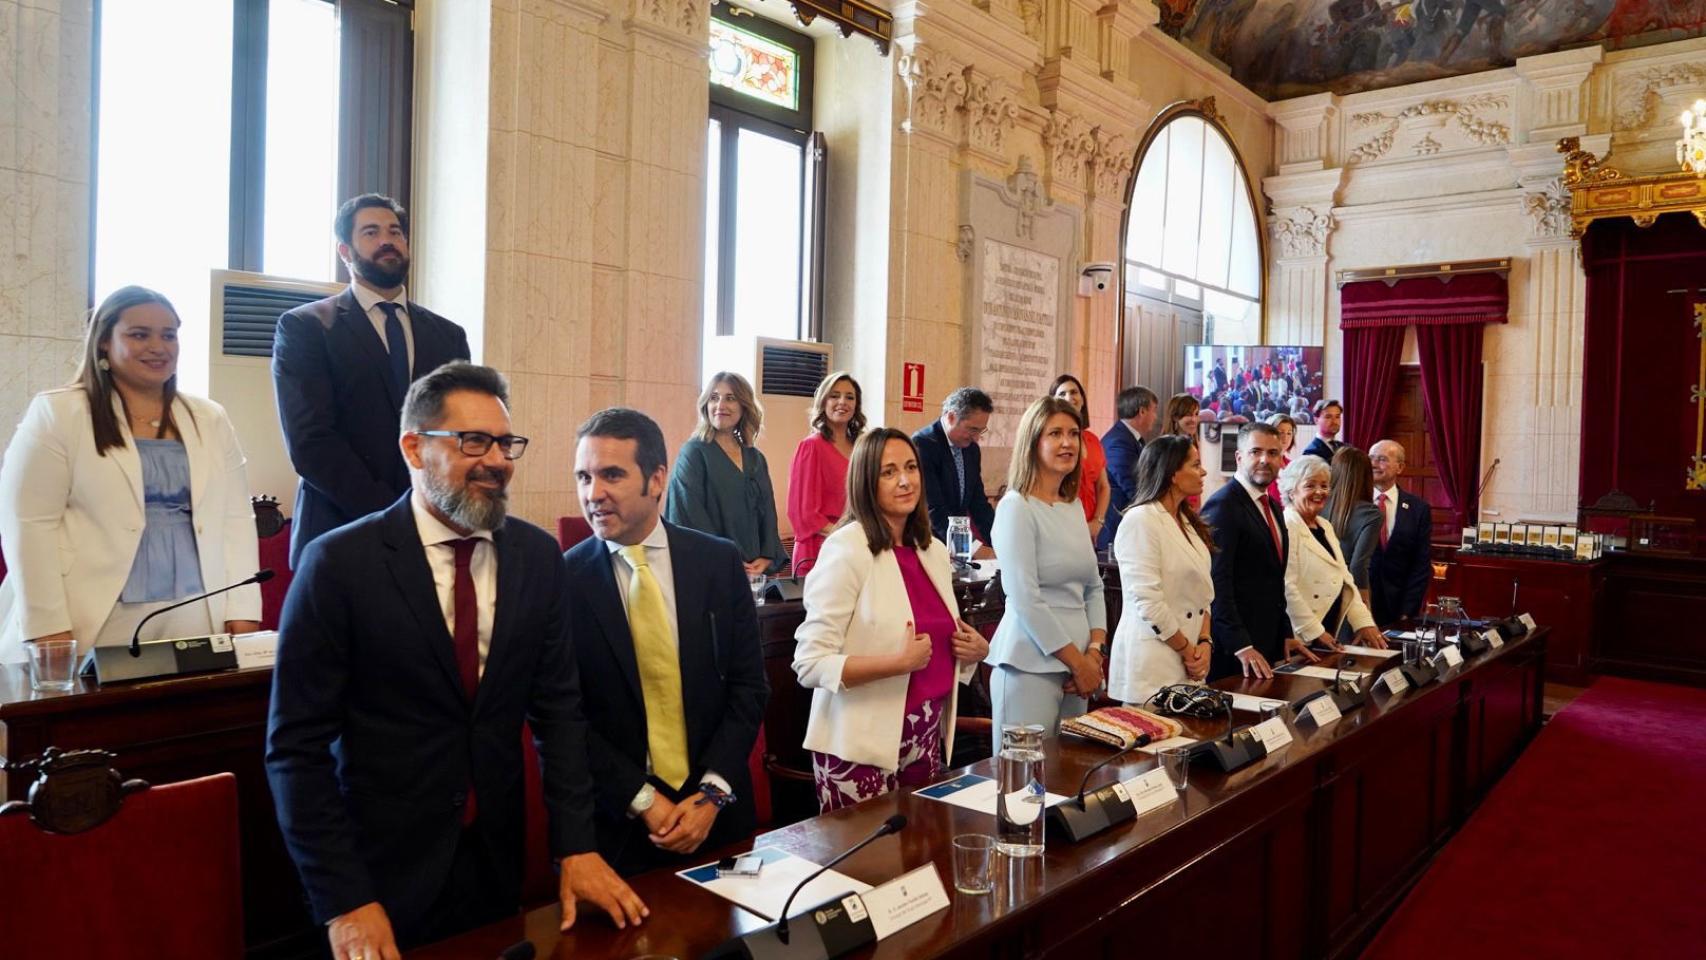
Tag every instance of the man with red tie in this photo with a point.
(1250, 628)
(413, 644)
(1398, 574)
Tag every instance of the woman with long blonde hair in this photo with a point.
(721, 482)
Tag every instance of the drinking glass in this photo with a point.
(757, 581)
(959, 539)
(1177, 762)
(973, 855)
(1019, 804)
(1412, 652)
(53, 665)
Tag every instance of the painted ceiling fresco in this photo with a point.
(1287, 48)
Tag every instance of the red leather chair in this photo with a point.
(160, 879)
(572, 530)
(275, 556)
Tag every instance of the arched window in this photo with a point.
(1193, 259)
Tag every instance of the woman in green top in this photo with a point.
(721, 483)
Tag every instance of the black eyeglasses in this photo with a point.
(474, 443)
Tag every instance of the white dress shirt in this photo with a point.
(370, 302)
(1390, 509)
(656, 545)
(440, 543)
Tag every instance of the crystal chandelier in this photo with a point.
(1691, 149)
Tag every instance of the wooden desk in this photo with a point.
(1562, 594)
(1298, 856)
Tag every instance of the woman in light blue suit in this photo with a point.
(1051, 646)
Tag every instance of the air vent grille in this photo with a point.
(251, 316)
(791, 371)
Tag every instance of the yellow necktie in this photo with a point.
(660, 671)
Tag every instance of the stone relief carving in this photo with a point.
(685, 16)
(965, 244)
(1467, 115)
(1548, 211)
(1115, 157)
(1427, 146)
(937, 84)
(1071, 144)
(990, 109)
(1638, 96)
(1025, 192)
(1300, 232)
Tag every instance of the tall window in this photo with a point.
(218, 146)
(1191, 237)
(762, 174)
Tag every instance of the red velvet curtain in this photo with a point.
(1451, 391)
(1371, 370)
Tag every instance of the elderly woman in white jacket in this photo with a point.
(120, 495)
(1320, 592)
(1163, 549)
(882, 647)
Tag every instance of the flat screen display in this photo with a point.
(1240, 384)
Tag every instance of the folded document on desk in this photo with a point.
(974, 792)
(1322, 673)
(765, 893)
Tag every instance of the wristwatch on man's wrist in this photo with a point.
(717, 795)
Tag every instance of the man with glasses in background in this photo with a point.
(413, 644)
(1398, 574)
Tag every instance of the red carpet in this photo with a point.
(1593, 845)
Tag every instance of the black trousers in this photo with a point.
(467, 900)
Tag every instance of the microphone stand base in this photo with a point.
(1244, 750)
(161, 658)
(1100, 810)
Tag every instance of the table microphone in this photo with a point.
(1141, 741)
(136, 635)
(520, 951)
(894, 824)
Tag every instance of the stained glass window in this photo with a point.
(750, 64)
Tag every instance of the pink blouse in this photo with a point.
(930, 616)
(817, 494)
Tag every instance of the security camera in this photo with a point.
(1095, 278)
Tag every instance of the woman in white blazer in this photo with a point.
(1163, 549)
(882, 647)
(119, 495)
(1320, 593)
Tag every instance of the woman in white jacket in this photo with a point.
(1320, 592)
(882, 647)
(120, 495)
(1163, 549)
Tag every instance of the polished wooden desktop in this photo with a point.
(1300, 855)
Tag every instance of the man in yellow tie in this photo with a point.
(671, 670)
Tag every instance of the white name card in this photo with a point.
(1149, 791)
(905, 900)
(1453, 656)
(256, 649)
(1494, 638)
(1323, 711)
(1527, 621)
(1395, 680)
(1273, 733)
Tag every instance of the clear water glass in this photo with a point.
(1412, 652)
(1021, 797)
(959, 538)
(53, 665)
(757, 582)
(1177, 762)
(974, 856)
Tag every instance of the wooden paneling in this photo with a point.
(1559, 594)
(1651, 611)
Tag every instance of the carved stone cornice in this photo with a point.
(1638, 96)
(1548, 211)
(1070, 144)
(1467, 114)
(936, 91)
(683, 20)
(1112, 165)
(991, 108)
(1300, 232)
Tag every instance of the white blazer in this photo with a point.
(1168, 588)
(71, 520)
(1314, 578)
(856, 605)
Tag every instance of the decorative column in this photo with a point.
(1299, 293)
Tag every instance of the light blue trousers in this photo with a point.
(1019, 697)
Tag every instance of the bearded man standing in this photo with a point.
(413, 644)
(341, 367)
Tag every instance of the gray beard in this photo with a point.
(467, 510)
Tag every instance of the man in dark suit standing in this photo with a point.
(1250, 628)
(414, 643)
(952, 464)
(666, 637)
(341, 367)
(1326, 442)
(1398, 574)
(1123, 444)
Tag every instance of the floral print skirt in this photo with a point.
(842, 784)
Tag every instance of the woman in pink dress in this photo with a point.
(817, 480)
(1093, 489)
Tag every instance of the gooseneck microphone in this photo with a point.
(261, 576)
(1141, 741)
(894, 824)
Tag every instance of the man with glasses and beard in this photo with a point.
(342, 366)
(413, 644)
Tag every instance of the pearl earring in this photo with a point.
(103, 364)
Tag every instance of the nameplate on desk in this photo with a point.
(1149, 791)
(1273, 733)
(1367, 651)
(1322, 711)
(1494, 638)
(256, 649)
(1527, 621)
(1395, 680)
(1452, 655)
(905, 900)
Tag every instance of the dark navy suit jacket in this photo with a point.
(1249, 579)
(942, 484)
(371, 745)
(1398, 575)
(723, 687)
(1320, 448)
(1122, 448)
(339, 408)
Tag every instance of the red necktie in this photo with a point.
(1279, 545)
(467, 639)
(1380, 501)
